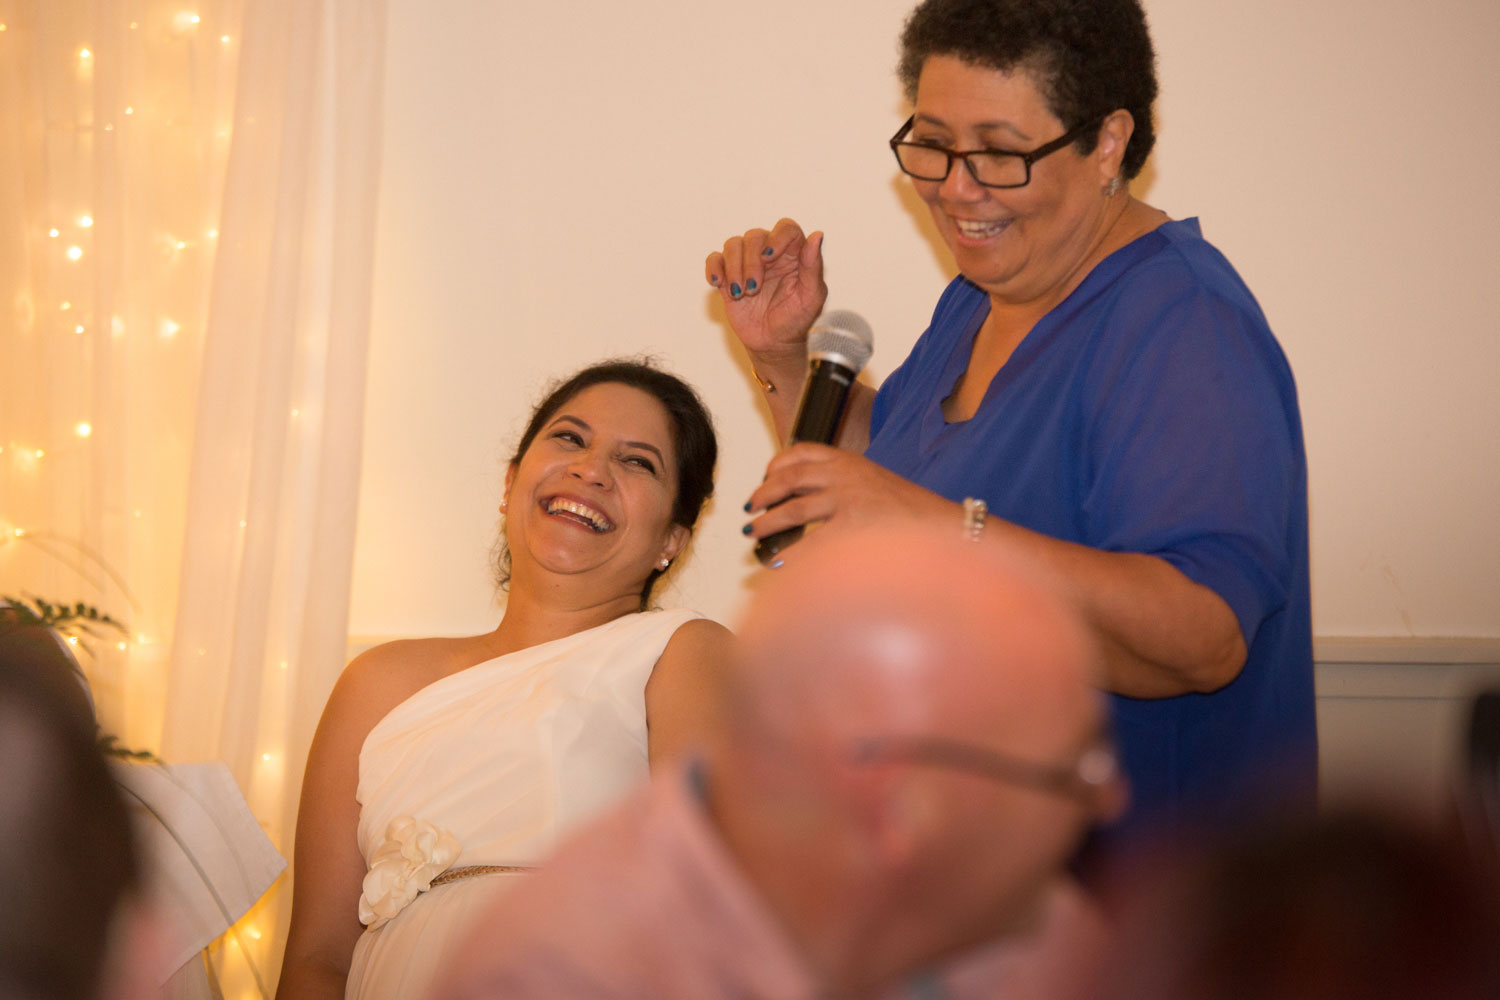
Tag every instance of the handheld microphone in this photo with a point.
(838, 345)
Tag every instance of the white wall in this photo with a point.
(554, 174)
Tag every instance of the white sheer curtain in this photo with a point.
(187, 194)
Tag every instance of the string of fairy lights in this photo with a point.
(71, 238)
(70, 258)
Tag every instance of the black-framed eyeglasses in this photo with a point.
(994, 168)
(1084, 778)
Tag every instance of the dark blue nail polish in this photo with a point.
(747, 506)
(746, 530)
(767, 252)
(734, 290)
(714, 281)
(750, 285)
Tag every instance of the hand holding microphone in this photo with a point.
(838, 346)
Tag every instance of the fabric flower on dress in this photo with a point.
(413, 853)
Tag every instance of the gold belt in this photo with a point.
(470, 871)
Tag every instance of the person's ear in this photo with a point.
(899, 819)
(1114, 137)
(677, 539)
(510, 476)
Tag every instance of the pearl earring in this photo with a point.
(665, 562)
(504, 503)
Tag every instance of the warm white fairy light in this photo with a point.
(224, 39)
(85, 55)
(130, 111)
(54, 233)
(116, 326)
(78, 328)
(168, 329)
(181, 244)
(213, 234)
(84, 429)
(72, 640)
(66, 305)
(121, 645)
(85, 221)
(75, 253)
(185, 21)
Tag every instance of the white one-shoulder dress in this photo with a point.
(492, 766)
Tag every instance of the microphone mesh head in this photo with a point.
(842, 337)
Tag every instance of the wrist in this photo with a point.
(779, 372)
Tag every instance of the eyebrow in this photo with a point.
(642, 445)
(1000, 126)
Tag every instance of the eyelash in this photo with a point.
(573, 438)
(644, 463)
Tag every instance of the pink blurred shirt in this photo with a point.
(646, 902)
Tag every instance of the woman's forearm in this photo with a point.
(1160, 633)
(783, 399)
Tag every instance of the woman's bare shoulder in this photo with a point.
(383, 676)
(699, 635)
(695, 642)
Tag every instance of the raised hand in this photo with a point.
(772, 287)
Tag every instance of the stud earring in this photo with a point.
(504, 503)
(665, 562)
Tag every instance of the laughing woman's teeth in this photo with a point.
(596, 520)
(978, 230)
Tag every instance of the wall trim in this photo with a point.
(1413, 650)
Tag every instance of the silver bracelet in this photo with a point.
(975, 511)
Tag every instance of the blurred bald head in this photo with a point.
(910, 720)
(901, 628)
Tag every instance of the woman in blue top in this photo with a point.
(1097, 375)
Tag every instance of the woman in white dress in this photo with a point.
(444, 768)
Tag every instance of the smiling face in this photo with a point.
(1025, 244)
(594, 492)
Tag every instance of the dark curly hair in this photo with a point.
(692, 437)
(1089, 57)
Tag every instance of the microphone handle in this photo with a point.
(819, 413)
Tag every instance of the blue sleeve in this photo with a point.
(1194, 442)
